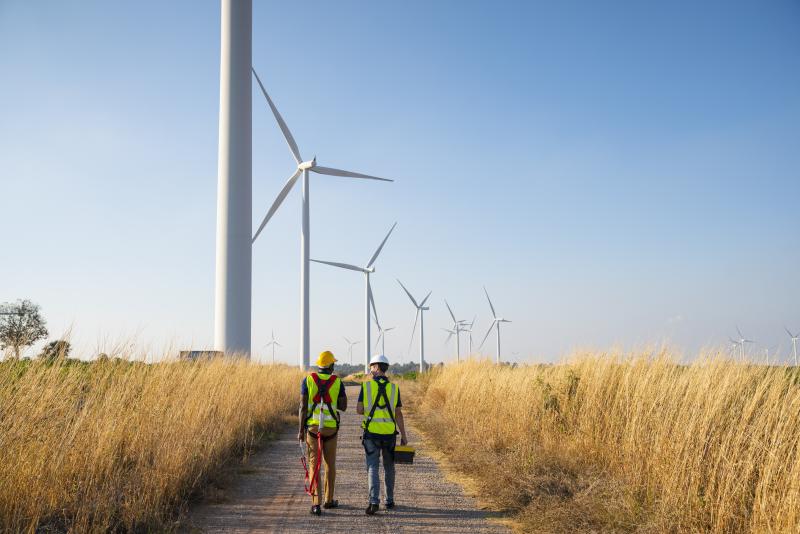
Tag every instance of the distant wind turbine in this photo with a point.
(794, 344)
(741, 342)
(350, 345)
(456, 330)
(469, 331)
(421, 308)
(305, 234)
(495, 324)
(369, 269)
(274, 344)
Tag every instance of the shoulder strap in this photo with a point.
(381, 393)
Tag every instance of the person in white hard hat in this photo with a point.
(379, 403)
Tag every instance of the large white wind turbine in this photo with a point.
(305, 236)
(233, 277)
(274, 344)
(794, 344)
(369, 269)
(350, 345)
(421, 308)
(495, 324)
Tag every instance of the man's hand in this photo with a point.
(300, 436)
(403, 440)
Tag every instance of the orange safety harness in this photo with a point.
(323, 395)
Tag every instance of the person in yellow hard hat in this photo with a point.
(322, 396)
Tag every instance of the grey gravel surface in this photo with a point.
(268, 495)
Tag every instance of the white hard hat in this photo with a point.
(380, 358)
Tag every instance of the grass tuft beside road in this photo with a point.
(623, 443)
(115, 445)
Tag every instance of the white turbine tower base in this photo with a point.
(303, 167)
(233, 277)
(369, 269)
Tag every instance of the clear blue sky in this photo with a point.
(615, 173)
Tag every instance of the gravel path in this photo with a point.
(268, 495)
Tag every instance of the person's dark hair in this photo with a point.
(326, 370)
(383, 367)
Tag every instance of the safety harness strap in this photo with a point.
(323, 395)
(387, 405)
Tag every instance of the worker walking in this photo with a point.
(379, 402)
(322, 395)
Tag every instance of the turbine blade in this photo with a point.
(494, 313)
(788, 332)
(739, 332)
(408, 293)
(380, 247)
(413, 329)
(341, 265)
(451, 311)
(348, 341)
(421, 304)
(487, 334)
(277, 203)
(374, 310)
(347, 174)
(281, 123)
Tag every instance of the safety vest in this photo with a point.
(378, 415)
(324, 402)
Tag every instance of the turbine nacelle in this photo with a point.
(307, 165)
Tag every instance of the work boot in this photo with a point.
(331, 504)
(316, 510)
(371, 509)
(389, 505)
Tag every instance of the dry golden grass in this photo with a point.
(116, 445)
(619, 444)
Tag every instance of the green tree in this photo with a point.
(56, 350)
(21, 325)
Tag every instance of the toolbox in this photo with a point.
(403, 454)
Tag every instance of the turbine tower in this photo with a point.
(368, 270)
(233, 277)
(303, 167)
(794, 344)
(418, 315)
(742, 340)
(495, 324)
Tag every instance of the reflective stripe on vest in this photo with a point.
(381, 420)
(312, 391)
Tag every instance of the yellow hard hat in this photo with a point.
(325, 359)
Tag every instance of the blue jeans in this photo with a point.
(375, 448)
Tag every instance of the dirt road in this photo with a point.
(268, 495)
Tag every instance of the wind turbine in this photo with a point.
(350, 345)
(457, 324)
(495, 324)
(368, 270)
(303, 167)
(469, 330)
(794, 344)
(274, 343)
(741, 342)
(418, 315)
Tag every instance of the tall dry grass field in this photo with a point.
(116, 445)
(612, 443)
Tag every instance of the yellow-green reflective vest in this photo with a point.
(313, 411)
(381, 422)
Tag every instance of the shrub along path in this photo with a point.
(268, 496)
